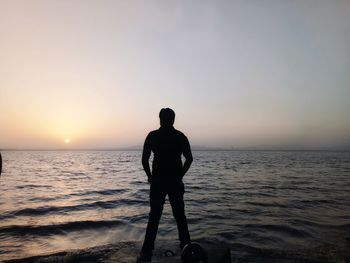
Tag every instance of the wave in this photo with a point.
(101, 192)
(46, 230)
(267, 204)
(301, 222)
(31, 186)
(45, 210)
(283, 229)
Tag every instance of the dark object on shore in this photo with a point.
(0, 163)
(193, 253)
(219, 255)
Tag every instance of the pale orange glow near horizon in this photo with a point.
(237, 74)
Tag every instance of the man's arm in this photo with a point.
(188, 157)
(146, 154)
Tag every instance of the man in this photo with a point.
(167, 145)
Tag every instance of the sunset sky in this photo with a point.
(94, 74)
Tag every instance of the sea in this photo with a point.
(266, 206)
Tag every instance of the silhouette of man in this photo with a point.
(167, 145)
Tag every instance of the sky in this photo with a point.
(94, 74)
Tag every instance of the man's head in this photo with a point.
(167, 117)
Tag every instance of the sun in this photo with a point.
(67, 140)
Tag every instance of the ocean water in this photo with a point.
(276, 203)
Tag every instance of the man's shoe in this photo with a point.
(182, 245)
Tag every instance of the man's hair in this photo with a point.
(167, 117)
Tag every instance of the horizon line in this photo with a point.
(199, 148)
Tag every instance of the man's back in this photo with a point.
(167, 144)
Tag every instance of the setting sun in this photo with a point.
(67, 140)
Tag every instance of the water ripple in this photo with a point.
(45, 230)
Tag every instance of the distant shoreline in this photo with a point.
(193, 149)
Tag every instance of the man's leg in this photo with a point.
(157, 199)
(178, 207)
